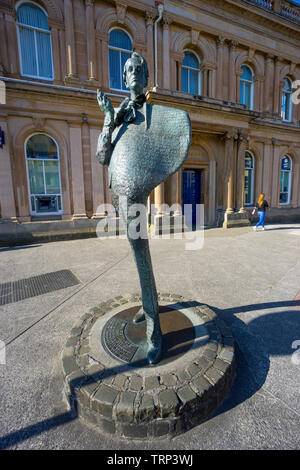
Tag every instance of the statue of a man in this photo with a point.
(142, 144)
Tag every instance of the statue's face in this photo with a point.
(135, 76)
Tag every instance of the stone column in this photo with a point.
(179, 73)
(276, 103)
(7, 198)
(159, 198)
(175, 191)
(295, 184)
(277, 6)
(294, 108)
(177, 59)
(219, 83)
(231, 71)
(228, 172)
(62, 50)
(12, 42)
(242, 147)
(3, 49)
(77, 181)
(70, 38)
(268, 81)
(212, 192)
(260, 92)
(275, 171)
(99, 60)
(150, 47)
(238, 85)
(166, 53)
(105, 71)
(212, 83)
(55, 55)
(97, 176)
(204, 81)
(266, 186)
(91, 39)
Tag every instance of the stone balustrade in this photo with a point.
(291, 12)
(283, 7)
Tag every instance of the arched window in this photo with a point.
(34, 37)
(286, 100)
(42, 158)
(190, 74)
(249, 178)
(246, 86)
(120, 48)
(285, 180)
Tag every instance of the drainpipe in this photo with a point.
(160, 13)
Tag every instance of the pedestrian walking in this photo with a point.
(261, 207)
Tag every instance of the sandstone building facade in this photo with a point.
(233, 65)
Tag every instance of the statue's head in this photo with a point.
(135, 74)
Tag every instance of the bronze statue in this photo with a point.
(142, 144)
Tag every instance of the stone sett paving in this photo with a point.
(131, 405)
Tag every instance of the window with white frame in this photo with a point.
(34, 38)
(191, 74)
(246, 86)
(249, 178)
(43, 171)
(286, 100)
(285, 180)
(120, 48)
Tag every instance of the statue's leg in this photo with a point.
(141, 253)
(143, 262)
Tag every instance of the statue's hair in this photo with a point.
(136, 56)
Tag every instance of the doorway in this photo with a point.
(191, 194)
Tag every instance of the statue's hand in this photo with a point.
(105, 103)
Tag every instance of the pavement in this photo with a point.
(251, 279)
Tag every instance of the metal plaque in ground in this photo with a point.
(109, 384)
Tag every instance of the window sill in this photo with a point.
(34, 77)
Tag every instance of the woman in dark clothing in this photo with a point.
(261, 207)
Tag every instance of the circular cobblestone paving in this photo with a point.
(135, 401)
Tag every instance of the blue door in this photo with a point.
(191, 194)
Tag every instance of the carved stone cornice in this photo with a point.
(229, 135)
(269, 57)
(39, 122)
(209, 66)
(194, 36)
(177, 56)
(233, 43)
(55, 24)
(103, 36)
(292, 68)
(6, 8)
(278, 60)
(121, 9)
(150, 17)
(220, 41)
(167, 20)
(251, 53)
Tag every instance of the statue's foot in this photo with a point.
(139, 316)
(154, 354)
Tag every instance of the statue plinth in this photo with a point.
(110, 385)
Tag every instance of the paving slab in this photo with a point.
(251, 280)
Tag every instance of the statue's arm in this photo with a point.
(104, 146)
